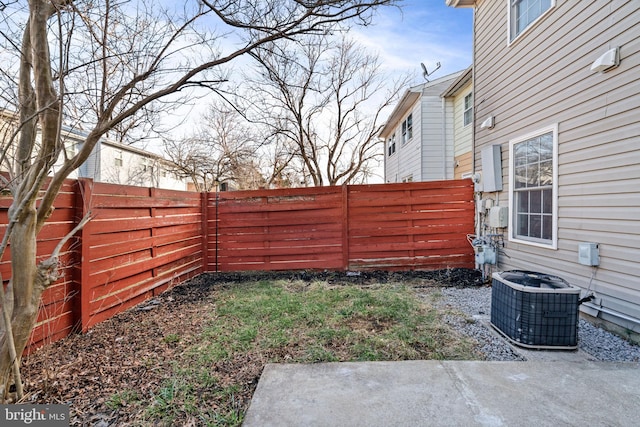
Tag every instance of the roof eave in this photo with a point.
(461, 3)
(464, 78)
(406, 103)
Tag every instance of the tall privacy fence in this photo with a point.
(142, 241)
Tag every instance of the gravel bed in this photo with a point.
(476, 304)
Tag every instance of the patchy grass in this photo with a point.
(196, 358)
(298, 322)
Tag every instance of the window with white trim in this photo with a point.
(523, 13)
(468, 109)
(118, 158)
(407, 129)
(533, 173)
(391, 145)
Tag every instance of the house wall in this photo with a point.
(437, 130)
(136, 168)
(429, 155)
(409, 153)
(405, 162)
(543, 78)
(139, 168)
(462, 137)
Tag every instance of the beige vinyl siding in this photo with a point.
(462, 147)
(462, 141)
(544, 78)
(463, 165)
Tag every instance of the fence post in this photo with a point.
(204, 215)
(345, 227)
(153, 194)
(82, 305)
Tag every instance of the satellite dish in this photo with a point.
(426, 73)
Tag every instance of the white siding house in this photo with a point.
(419, 134)
(109, 162)
(116, 163)
(557, 91)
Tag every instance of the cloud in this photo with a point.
(423, 31)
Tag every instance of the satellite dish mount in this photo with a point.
(426, 73)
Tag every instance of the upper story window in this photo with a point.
(533, 172)
(407, 129)
(118, 158)
(468, 109)
(523, 13)
(391, 144)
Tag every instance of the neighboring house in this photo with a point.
(109, 161)
(419, 133)
(116, 163)
(557, 142)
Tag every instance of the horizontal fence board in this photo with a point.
(274, 251)
(261, 222)
(412, 263)
(416, 231)
(285, 206)
(311, 235)
(304, 264)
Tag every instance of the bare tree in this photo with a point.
(279, 164)
(319, 96)
(222, 150)
(65, 39)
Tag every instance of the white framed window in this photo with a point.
(533, 189)
(468, 109)
(391, 145)
(118, 159)
(408, 178)
(407, 129)
(524, 13)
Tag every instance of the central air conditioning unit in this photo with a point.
(535, 310)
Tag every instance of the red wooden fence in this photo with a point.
(139, 242)
(57, 314)
(143, 240)
(421, 225)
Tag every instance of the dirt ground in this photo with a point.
(130, 351)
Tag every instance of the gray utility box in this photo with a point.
(535, 310)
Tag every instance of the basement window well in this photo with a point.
(535, 310)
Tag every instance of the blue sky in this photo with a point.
(426, 31)
(422, 31)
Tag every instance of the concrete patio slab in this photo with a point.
(447, 393)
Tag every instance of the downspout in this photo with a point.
(478, 195)
(444, 138)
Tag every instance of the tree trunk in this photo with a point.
(27, 284)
